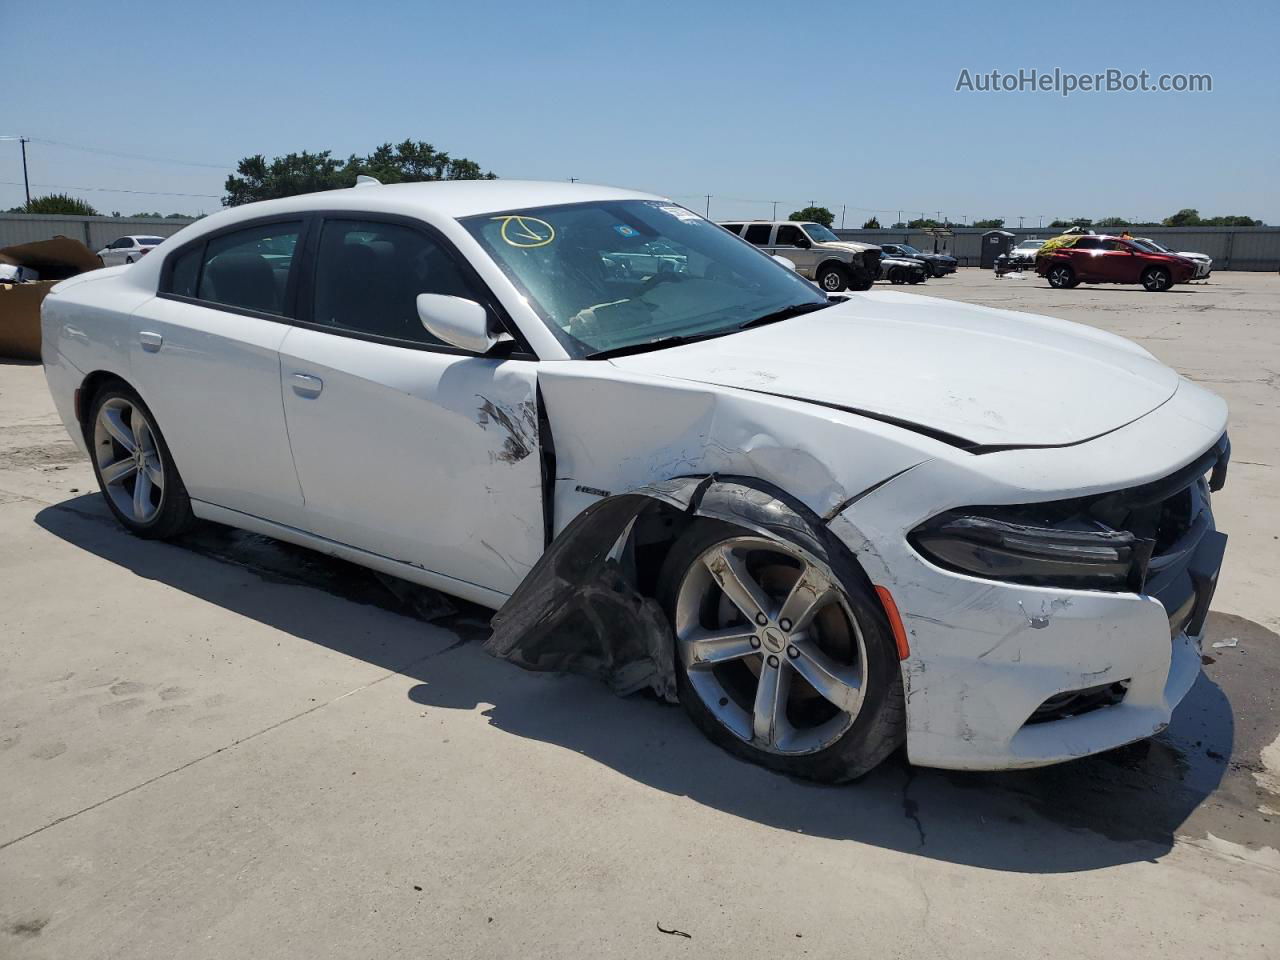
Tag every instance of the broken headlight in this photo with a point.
(1076, 553)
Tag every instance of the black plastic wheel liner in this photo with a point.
(578, 611)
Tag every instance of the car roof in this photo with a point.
(451, 198)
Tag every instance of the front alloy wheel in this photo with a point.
(778, 661)
(1157, 280)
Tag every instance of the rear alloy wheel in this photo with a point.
(1061, 277)
(777, 660)
(833, 278)
(134, 467)
(1157, 279)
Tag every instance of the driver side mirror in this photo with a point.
(804, 243)
(458, 322)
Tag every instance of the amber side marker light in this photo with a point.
(895, 622)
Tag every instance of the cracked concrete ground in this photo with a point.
(228, 747)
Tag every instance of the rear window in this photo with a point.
(150, 241)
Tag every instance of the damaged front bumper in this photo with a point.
(1006, 675)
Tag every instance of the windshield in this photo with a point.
(1031, 245)
(909, 250)
(1150, 245)
(610, 275)
(819, 234)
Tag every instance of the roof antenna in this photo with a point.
(363, 181)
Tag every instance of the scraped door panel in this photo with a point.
(423, 457)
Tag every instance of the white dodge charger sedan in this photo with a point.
(667, 461)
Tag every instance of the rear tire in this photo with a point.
(833, 278)
(818, 696)
(1157, 279)
(1061, 276)
(134, 467)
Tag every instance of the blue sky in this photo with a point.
(847, 103)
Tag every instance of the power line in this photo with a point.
(147, 193)
(127, 156)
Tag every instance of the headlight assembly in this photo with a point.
(1000, 549)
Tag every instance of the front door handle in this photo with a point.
(305, 385)
(151, 342)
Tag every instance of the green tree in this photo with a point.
(923, 223)
(814, 214)
(256, 178)
(1233, 221)
(61, 203)
(1186, 217)
(1114, 222)
(1083, 222)
(872, 224)
(995, 223)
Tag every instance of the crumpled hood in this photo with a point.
(983, 376)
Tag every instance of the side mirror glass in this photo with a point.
(458, 322)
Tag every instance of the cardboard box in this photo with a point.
(54, 260)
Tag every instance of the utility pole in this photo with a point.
(842, 207)
(26, 186)
(1042, 221)
(900, 220)
(573, 179)
(775, 209)
(708, 196)
(1020, 223)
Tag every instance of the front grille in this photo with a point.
(871, 261)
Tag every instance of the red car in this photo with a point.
(1094, 259)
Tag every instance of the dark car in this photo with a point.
(936, 264)
(1100, 259)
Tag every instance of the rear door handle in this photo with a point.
(151, 342)
(305, 385)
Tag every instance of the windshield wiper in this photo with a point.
(659, 344)
(786, 313)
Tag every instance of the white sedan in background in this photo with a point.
(825, 528)
(1203, 262)
(128, 249)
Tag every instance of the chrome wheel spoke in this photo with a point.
(119, 471)
(769, 713)
(809, 595)
(119, 431)
(837, 683)
(707, 647)
(737, 583)
(142, 497)
(154, 471)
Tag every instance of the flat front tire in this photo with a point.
(134, 467)
(779, 659)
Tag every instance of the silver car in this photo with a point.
(833, 264)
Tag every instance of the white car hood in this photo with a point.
(983, 377)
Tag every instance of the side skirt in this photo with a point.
(472, 592)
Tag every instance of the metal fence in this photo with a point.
(94, 232)
(1232, 248)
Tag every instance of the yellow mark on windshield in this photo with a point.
(526, 231)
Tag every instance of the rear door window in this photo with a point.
(758, 233)
(249, 269)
